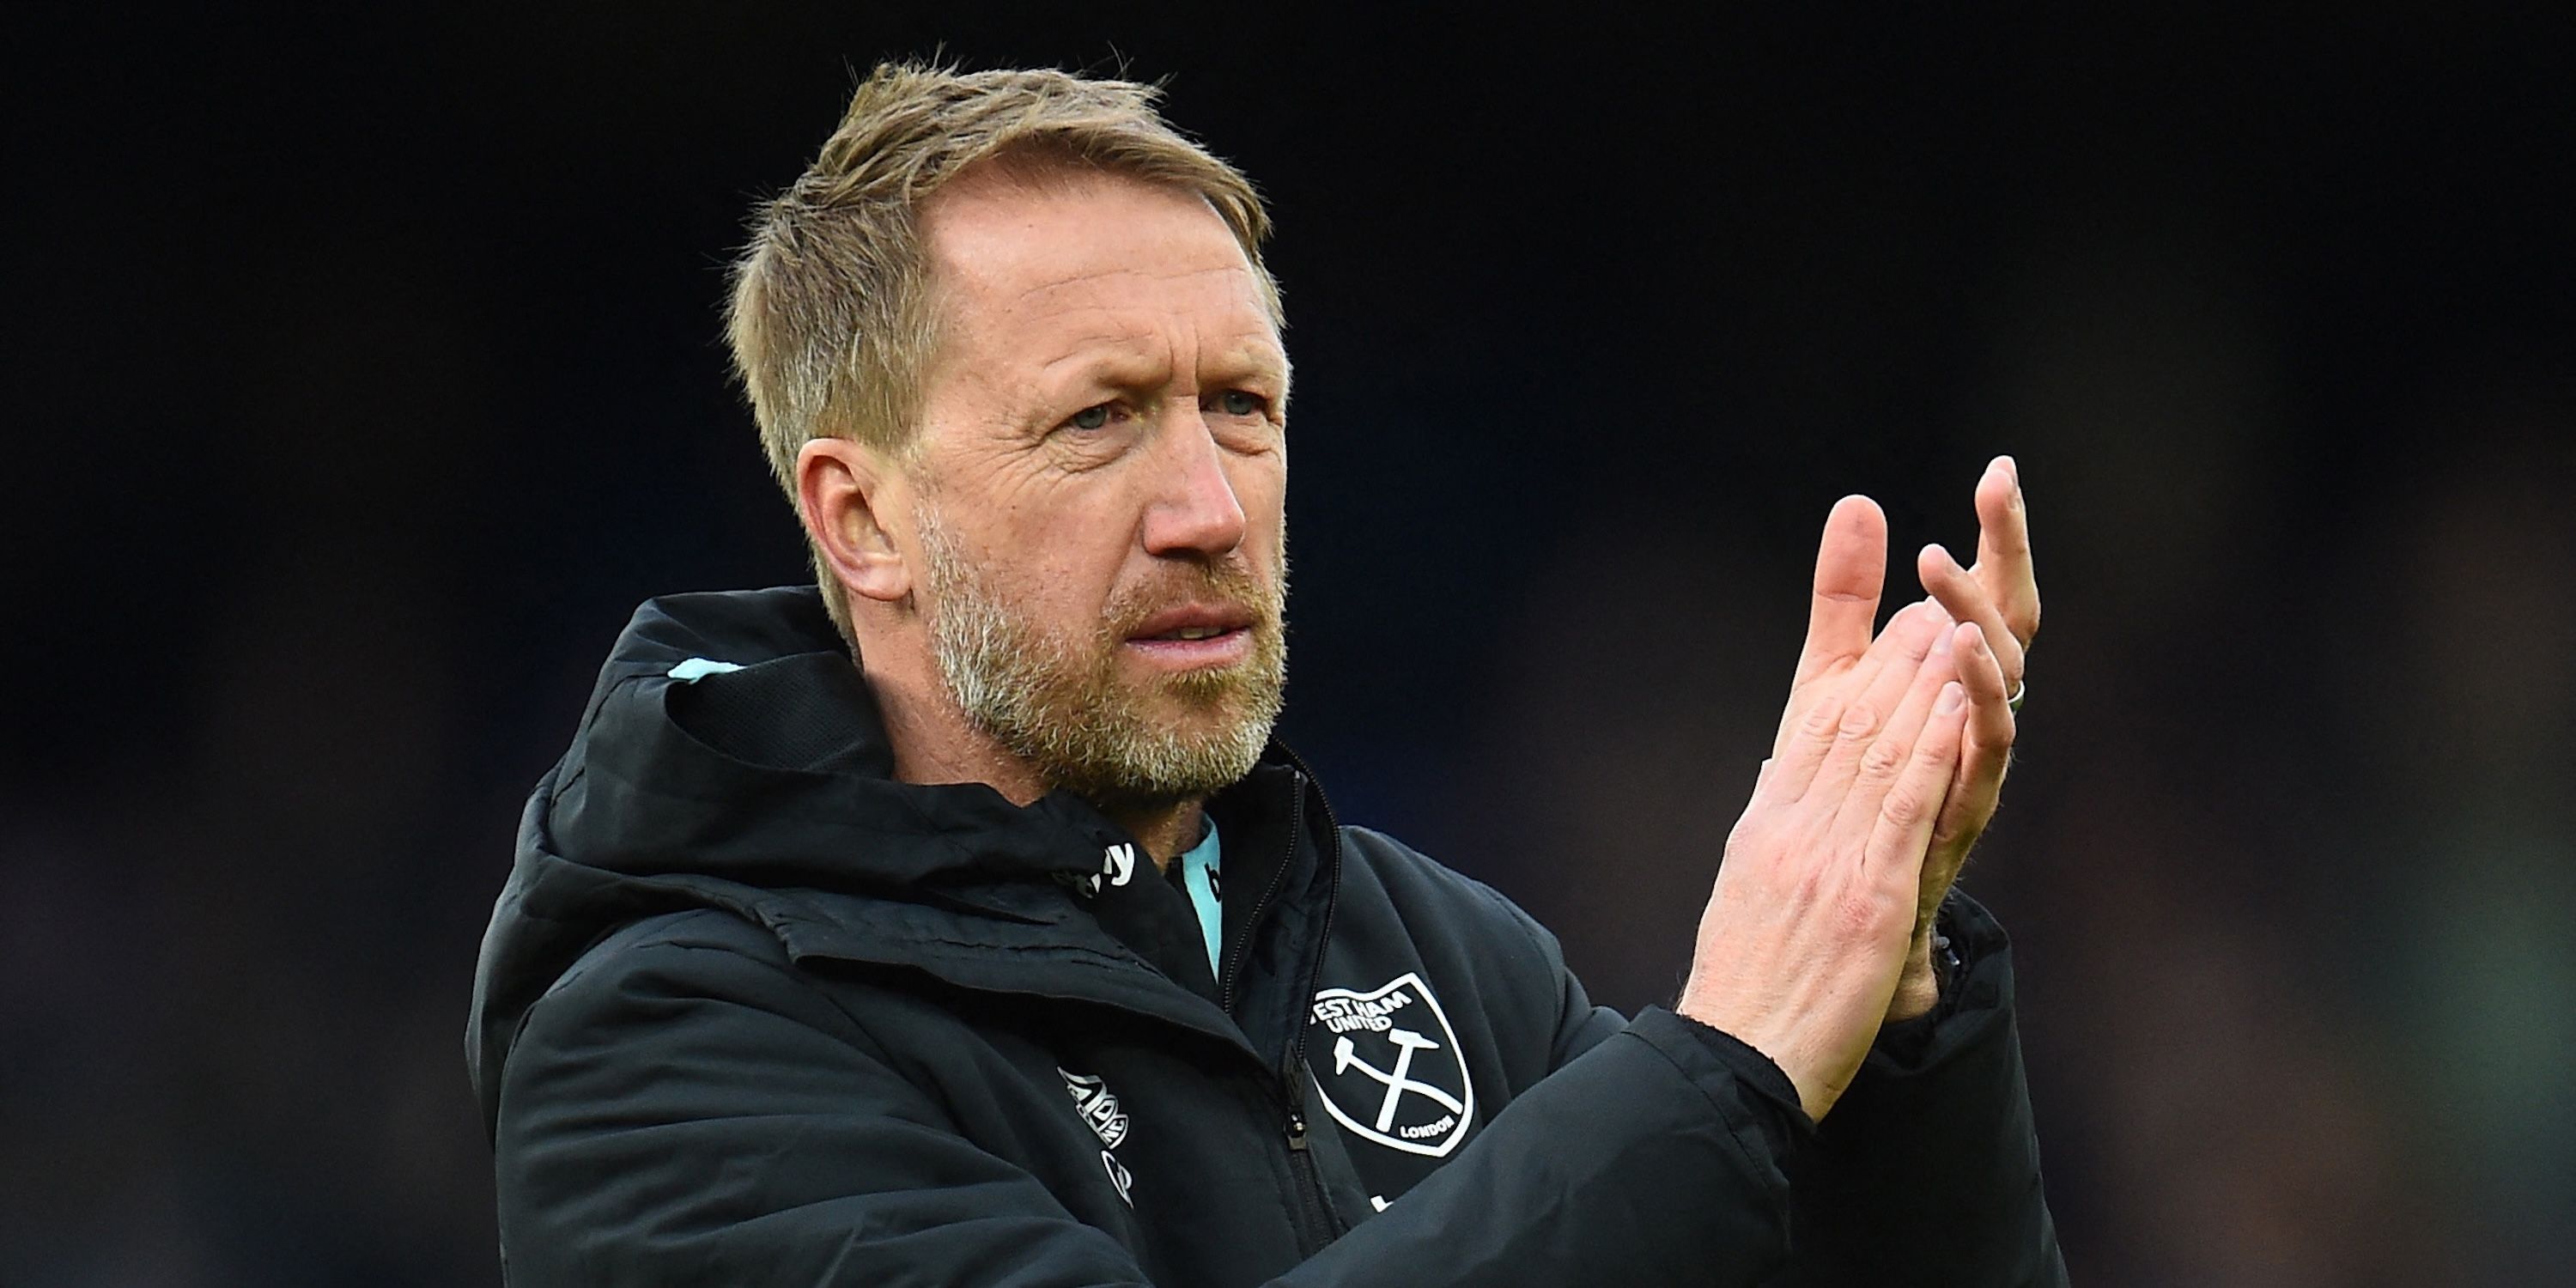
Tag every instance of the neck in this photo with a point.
(1164, 830)
(933, 742)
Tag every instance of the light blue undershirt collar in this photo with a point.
(1199, 876)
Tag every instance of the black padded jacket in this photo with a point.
(751, 1012)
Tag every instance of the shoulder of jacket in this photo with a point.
(1416, 882)
(652, 941)
(704, 962)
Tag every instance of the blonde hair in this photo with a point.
(832, 322)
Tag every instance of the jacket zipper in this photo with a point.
(1324, 928)
(1296, 1079)
(1318, 1224)
(1278, 878)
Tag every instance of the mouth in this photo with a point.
(1193, 636)
(1187, 634)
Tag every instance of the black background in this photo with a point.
(364, 370)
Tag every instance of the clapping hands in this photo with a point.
(1887, 767)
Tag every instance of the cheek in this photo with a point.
(1065, 566)
(1261, 488)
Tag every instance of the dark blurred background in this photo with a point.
(363, 372)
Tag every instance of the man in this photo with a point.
(956, 922)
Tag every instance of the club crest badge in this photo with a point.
(1388, 1066)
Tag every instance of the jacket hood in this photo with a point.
(733, 757)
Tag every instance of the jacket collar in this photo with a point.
(732, 757)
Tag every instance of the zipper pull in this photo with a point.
(1294, 1101)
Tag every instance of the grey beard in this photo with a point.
(1058, 704)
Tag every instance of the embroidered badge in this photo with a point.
(1396, 1075)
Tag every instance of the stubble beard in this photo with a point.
(1056, 700)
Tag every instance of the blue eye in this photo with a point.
(1090, 417)
(1236, 402)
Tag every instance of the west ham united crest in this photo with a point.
(1389, 1066)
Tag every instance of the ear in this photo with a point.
(842, 488)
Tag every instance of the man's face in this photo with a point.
(1102, 475)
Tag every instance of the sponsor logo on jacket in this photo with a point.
(1098, 1107)
(1393, 1072)
(1117, 867)
(1097, 1104)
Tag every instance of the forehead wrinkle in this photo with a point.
(1088, 317)
(1252, 346)
(1094, 325)
(1122, 351)
(1141, 336)
(1149, 357)
(1044, 298)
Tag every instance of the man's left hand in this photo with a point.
(1996, 607)
(1993, 610)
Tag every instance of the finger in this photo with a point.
(1804, 743)
(1987, 749)
(1905, 652)
(2003, 550)
(1881, 766)
(1906, 636)
(1962, 596)
(1903, 830)
(1851, 570)
(1979, 668)
(1880, 677)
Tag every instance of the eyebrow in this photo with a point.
(1259, 357)
(1126, 360)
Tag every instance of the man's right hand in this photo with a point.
(1807, 929)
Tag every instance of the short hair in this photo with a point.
(832, 323)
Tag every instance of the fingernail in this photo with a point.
(2012, 470)
(1941, 646)
(1951, 696)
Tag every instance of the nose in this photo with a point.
(1195, 509)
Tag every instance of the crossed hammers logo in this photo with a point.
(1346, 1056)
